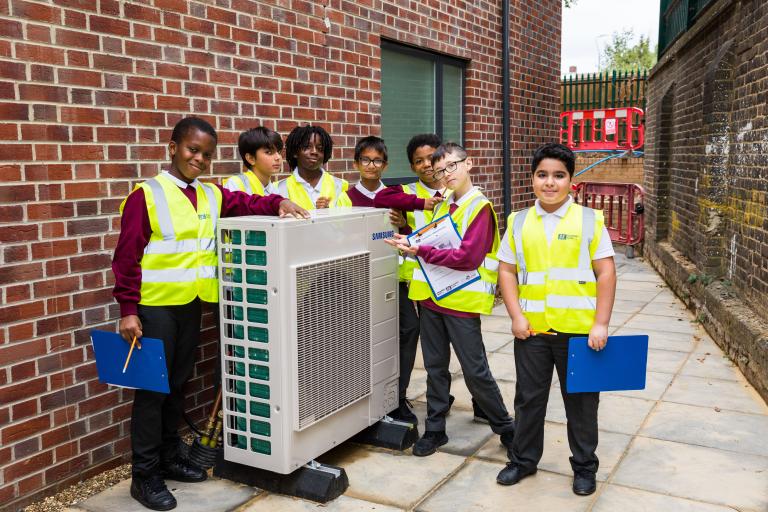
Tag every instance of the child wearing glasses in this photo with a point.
(454, 320)
(370, 162)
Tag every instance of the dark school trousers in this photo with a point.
(409, 337)
(535, 358)
(155, 416)
(438, 333)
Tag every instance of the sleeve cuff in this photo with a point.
(128, 308)
(419, 203)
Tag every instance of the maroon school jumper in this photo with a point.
(470, 255)
(135, 231)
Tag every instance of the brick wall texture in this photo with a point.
(616, 170)
(89, 92)
(706, 166)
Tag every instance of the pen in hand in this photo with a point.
(128, 359)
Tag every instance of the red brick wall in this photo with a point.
(89, 91)
(616, 170)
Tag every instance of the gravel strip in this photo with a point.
(81, 491)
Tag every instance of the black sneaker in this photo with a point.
(404, 413)
(182, 470)
(479, 415)
(152, 493)
(429, 443)
(512, 473)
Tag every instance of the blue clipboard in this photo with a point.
(146, 369)
(620, 366)
(418, 260)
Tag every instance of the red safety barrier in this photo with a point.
(608, 129)
(622, 206)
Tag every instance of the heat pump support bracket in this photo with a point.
(315, 482)
(389, 433)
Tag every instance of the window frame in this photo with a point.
(439, 60)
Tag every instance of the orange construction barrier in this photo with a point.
(622, 206)
(607, 129)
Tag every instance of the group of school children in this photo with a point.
(554, 266)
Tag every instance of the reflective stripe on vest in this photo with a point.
(559, 292)
(335, 189)
(477, 297)
(179, 261)
(415, 219)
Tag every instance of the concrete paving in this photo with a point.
(693, 440)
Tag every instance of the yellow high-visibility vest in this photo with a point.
(477, 297)
(330, 186)
(557, 286)
(415, 219)
(179, 262)
(246, 182)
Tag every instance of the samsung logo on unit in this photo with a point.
(381, 235)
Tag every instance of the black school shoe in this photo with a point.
(182, 470)
(513, 473)
(152, 493)
(404, 413)
(429, 442)
(584, 483)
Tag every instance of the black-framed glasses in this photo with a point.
(449, 168)
(377, 162)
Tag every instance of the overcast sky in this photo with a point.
(588, 26)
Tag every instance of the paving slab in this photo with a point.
(640, 286)
(617, 498)
(647, 277)
(619, 319)
(661, 323)
(499, 324)
(711, 364)
(666, 296)
(704, 474)
(474, 489)
(706, 426)
(656, 385)
(465, 436)
(213, 495)
(464, 399)
(276, 502)
(389, 477)
(617, 413)
(417, 386)
(502, 366)
(665, 361)
(636, 295)
(628, 306)
(708, 392)
(660, 340)
(556, 451)
(495, 340)
(670, 309)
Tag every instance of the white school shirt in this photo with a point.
(367, 193)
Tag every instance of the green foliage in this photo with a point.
(703, 278)
(621, 55)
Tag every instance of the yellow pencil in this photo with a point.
(128, 359)
(533, 332)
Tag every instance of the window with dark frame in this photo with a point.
(421, 92)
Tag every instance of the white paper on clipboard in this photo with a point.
(442, 234)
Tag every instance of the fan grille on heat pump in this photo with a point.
(334, 336)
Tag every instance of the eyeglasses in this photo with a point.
(450, 168)
(377, 162)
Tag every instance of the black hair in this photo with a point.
(417, 141)
(557, 152)
(190, 123)
(371, 142)
(449, 148)
(252, 140)
(299, 138)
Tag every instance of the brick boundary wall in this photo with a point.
(706, 177)
(89, 92)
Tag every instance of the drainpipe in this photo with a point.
(505, 119)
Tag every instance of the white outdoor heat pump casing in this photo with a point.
(309, 337)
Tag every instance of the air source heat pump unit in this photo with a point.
(308, 333)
